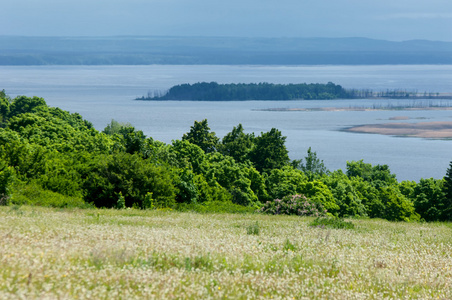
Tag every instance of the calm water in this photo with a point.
(102, 93)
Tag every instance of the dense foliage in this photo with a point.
(54, 158)
(251, 91)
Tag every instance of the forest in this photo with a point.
(50, 157)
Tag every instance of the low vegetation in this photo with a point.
(53, 253)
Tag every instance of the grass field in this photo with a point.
(132, 254)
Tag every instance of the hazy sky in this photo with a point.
(381, 19)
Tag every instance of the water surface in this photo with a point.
(102, 93)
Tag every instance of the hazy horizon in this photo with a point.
(214, 36)
(400, 20)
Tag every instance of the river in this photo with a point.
(102, 93)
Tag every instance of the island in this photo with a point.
(213, 91)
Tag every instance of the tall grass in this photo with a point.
(50, 253)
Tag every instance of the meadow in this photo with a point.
(50, 253)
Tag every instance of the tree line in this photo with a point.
(52, 157)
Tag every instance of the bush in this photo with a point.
(33, 194)
(293, 205)
(131, 176)
(347, 196)
(397, 206)
(6, 179)
(330, 222)
(318, 192)
(430, 200)
(284, 182)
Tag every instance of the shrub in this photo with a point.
(33, 194)
(346, 194)
(429, 199)
(121, 202)
(131, 176)
(397, 206)
(318, 192)
(6, 179)
(293, 205)
(284, 182)
(331, 222)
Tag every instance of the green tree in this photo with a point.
(312, 166)
(130, 175)
(284, 182)
(407, 187)
(269, 151)
(4, 108)
(347, 196)
(369, 196)
(447, 213)
(378, 175)
(6, 180)
(54, 132)
(237, 144)
(231, 175)
(187, 191)
(23, 104)
(397, 206)
(187, 155)
(318, 192)
(429, 199)
(201, 136)
(213, 192)
(132, 140)
(115, 127)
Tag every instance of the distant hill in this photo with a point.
(129, 50)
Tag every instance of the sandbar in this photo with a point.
(429, 130)
(352, 109)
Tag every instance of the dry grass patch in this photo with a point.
(93, 254)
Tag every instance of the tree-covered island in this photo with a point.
(213, 91)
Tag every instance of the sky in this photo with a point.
(395, 20)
